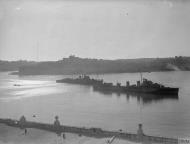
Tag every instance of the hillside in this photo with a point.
(76, 65)
(13, 65)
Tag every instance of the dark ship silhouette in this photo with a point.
(83, 80)
(143, 86)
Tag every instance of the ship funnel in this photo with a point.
(140, 132)
(138, 83)
(118, 84)
(127, 84)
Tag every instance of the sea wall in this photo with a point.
(89, 132)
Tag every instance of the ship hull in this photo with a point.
(167, 90)
(79, 81)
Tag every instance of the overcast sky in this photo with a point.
(111, 29)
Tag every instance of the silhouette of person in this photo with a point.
(63, 136)
(25, 131)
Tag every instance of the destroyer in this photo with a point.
(143, 86)
(83, 80)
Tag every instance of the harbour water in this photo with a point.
(39, 98)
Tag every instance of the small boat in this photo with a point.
(17, 85)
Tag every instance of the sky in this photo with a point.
(110, 29)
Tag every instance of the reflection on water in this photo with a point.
(141, 97)
(147, 99)
(18, 89)
(81, 106)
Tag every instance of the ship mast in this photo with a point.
(141, 77)
(37, 51)
(141, 100)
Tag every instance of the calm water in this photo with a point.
(80, 106)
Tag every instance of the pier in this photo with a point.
(89, 132)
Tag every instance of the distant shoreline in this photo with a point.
(75, 65)
(17, 73)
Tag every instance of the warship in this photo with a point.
(143, 86)
(82, 79)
